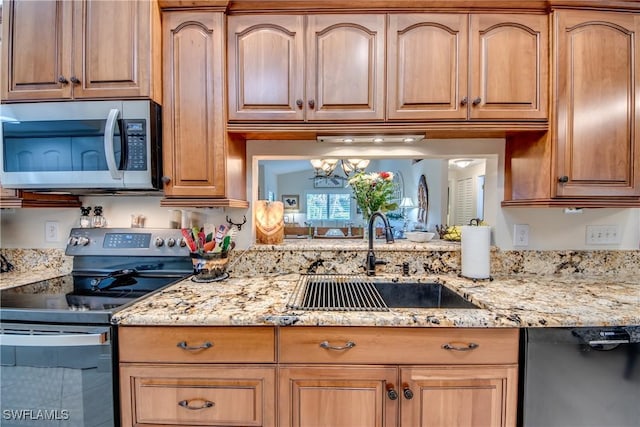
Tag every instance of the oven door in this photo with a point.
(56, 375)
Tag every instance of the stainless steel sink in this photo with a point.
(330, 292)
(420, 295)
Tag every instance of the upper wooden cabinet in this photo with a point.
(438, 67)
(456, 66)
(200, 161)
(591, 156)
(343, 78)
(80, 49)
(598, 104)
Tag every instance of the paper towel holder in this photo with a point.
(476, 222)
(475, 279)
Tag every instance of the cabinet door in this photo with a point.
(427, 66)
(509, 67)
(598, 104)
(266, 67)
(345, 60)
(459, 396)
(193, 115)
(36, 51)
(112, 49)
(335, 396)
(237, 395)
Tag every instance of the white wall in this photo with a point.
(24, 228)
(549, 228)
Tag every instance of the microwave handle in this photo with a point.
(109, 131)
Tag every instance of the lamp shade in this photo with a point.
(269, 222)
(407, 202)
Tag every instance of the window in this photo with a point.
(333, 206)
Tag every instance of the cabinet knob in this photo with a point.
(563, 179)
(299, 103)
(312, 104)
(165, 179)
(406, 391)
(477, 101)
(62, 80)
(392, 394)
(75, 80)
(464, 101)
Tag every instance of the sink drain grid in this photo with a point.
(336, 292)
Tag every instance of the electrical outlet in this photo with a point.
(51, 231)
(520, 234)
(602, 235)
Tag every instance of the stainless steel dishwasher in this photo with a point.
(581, 377)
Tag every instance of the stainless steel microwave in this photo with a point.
(81, 146)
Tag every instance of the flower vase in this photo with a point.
(365, 226)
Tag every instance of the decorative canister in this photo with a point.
(209, 266)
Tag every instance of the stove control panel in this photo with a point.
(126, 242)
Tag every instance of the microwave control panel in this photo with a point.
(135, 132)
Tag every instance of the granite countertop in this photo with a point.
(523, 301)
(530, 288)
(13, 279)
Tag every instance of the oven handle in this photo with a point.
(109, 131)
(55, 340)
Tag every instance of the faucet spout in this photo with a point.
(388, 234)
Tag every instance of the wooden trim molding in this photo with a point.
(242, 6)
(203, 203)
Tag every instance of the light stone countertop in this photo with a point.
(531, 288)
(14, 279)
(534, 301)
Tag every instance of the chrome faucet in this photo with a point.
(388, 234)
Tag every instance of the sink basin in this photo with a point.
(420, 295)
(329, 292)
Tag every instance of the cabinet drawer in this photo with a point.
(398, 345)
(195, 395)
(196, 344)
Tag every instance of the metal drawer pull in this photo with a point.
(187, 404)
(347, 346)
(183, 345)
(469, 347)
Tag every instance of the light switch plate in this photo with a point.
(51, 233)
(602, 235)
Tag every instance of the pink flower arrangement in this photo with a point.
(373, 192)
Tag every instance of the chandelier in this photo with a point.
(326, 167)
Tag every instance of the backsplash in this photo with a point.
(440, 259)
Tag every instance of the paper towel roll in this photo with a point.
(475, 251)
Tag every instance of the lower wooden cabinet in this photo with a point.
(318, 376)
(407, 377)
(336, 396)
(406, 396)
(178, 395)
(197, 376)
(481, 395)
